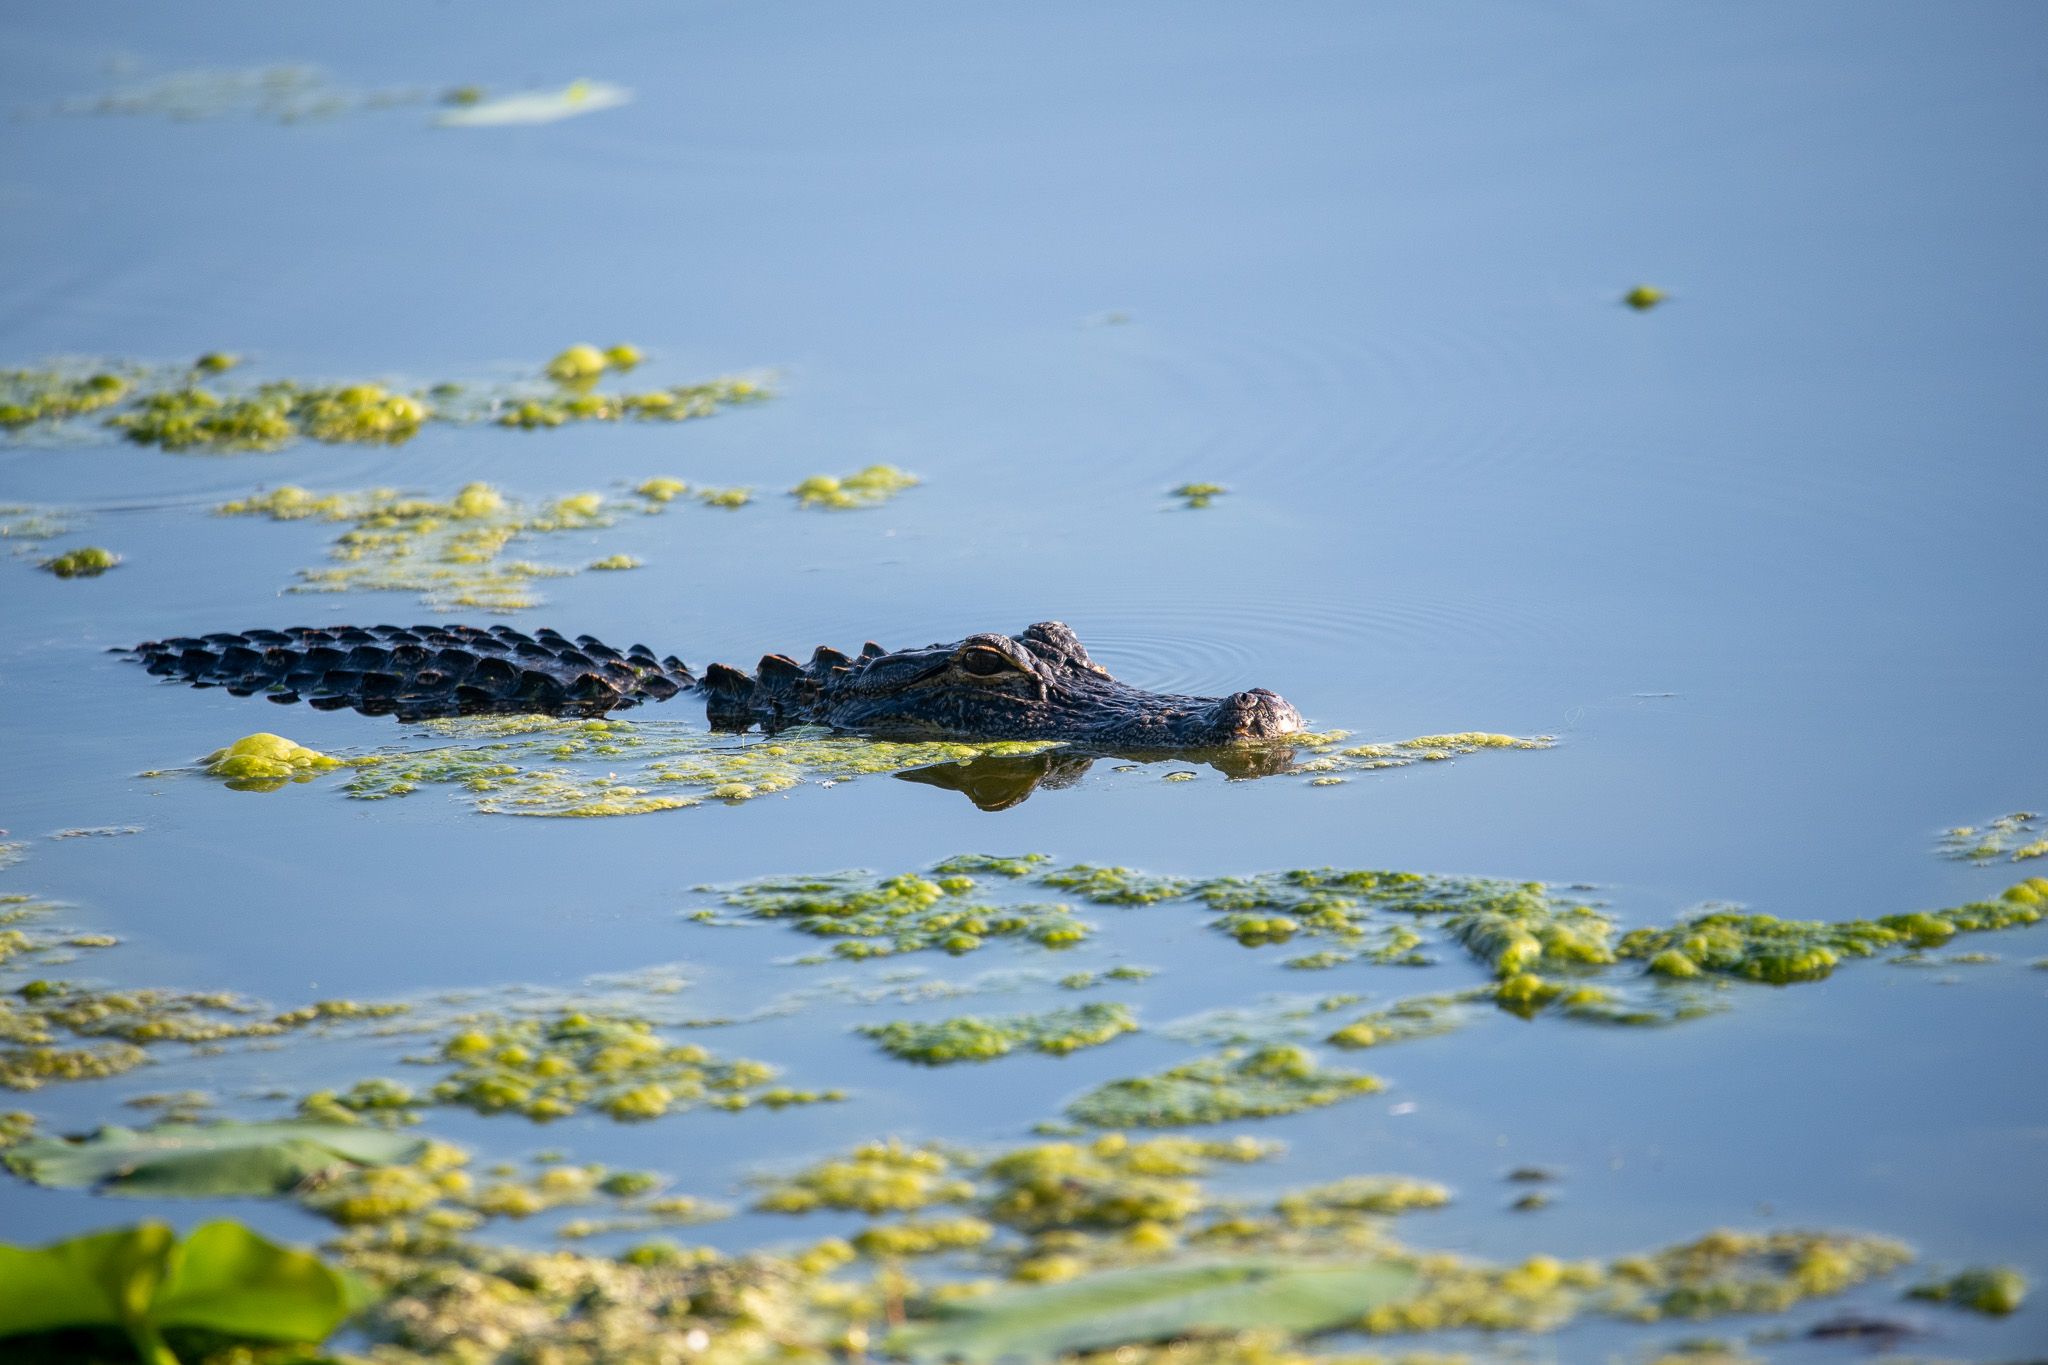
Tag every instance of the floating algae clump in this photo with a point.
(31, 396)
(170, 408)
(531, 765)
(868, 487)
(53, 1030)
(2020, 836)
(572, 1061)
(1380, 1194)
(450, 552)
(973, 1039)
(877, 1177)
(1111, 1182)
(879, 916)
(1261, 1084)
(1995, 1290)
(1423, 1016)
(88, 561)
(615, 562)
(264, 762)
(272, 417)
(1779, 951)
(1199, 494)
(1644, 297)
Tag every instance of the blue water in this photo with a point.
(1765, 559)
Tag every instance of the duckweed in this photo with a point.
(2018, 836)
(1195, 495)
(1422, 1016)
(451, 553)
(28, 397)
(1992, 1290)
(1644, 297)
(572, 1061)
(1380, 1194)
(869, 487)
(1766, 948)
(970, 1038)
(53, 1030)
(266, 762)
(173, 409)
(88, 561)
(610, 562)
(1261, 1084)
(874, 916)
(877, 1177)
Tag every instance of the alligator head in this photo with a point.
(1037, 685)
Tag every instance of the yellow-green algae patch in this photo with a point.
(572, 1061)
(56, 1030)
(876, 1177)
(88, 561)
(1644, 297)
(56, 395)
(265, 762)
(530, 765)
(972, 1038)
(869, 487)
(186, 408)
(2019, 836)
(876, 916)
(1778, 951)
(1264, 1083)
(451, 552)
(1199, 494)
(1329, 752)
(1993, 1290)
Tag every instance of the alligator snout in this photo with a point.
(1257, 714)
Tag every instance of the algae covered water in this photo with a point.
(1283, 350)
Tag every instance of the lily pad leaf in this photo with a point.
(143, 1281)
(207, 1159)
(1116, 1308)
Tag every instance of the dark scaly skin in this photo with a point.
(1037, 685)
(422, 672)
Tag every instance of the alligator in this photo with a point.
(1040, 684)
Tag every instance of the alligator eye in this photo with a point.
(987, 663)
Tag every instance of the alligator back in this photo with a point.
(422, 672)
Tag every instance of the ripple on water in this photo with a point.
(1408, 409)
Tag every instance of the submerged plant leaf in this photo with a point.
(141, 1280)
(1121, 1307)
(209, 1159)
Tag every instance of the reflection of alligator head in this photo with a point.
(1000, 781)
(1038, 685)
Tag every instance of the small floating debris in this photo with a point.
(1193, 495)
(537, 106)
(89, 561)
(1644, 297)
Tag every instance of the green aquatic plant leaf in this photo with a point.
(222, 1278)
(1126, 1307)
(207, 1160)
